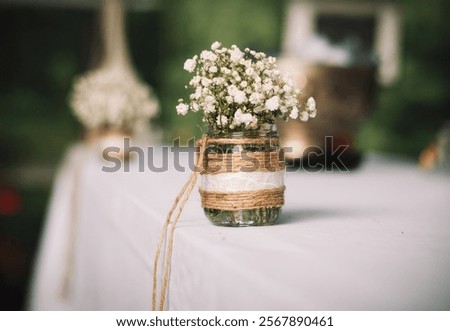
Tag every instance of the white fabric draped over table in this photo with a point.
(377, 238)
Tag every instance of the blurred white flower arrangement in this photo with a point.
(111, 98)
(241, 90)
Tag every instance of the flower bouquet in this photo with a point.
(242, 94)
(112, 104)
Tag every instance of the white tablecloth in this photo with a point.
(377, 238)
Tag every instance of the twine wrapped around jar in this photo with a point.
(243, 178)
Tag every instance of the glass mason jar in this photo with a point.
(242, 182)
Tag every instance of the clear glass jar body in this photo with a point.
(247, 180)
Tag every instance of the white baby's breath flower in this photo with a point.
(206, 81)
(204, 55)
(273, 103)
(248, 120)
(212, 69)
(225, 70)
(291, 101)
(236, 55)
(218, 80)
(215, 45)
(311, 104)
(195, 81)
(287, 88)
(198, 92)
(238, 117)
(239, 97)
(189, 65)
(268, 72)
(208, 55)
(287, 79)
(267, 86)
(210, 100)
(210, 108)
(222, 121)
(303, 116)
(311, 107)
(209, 105)
(258, 110)
(294, 113)
(257, 87)
(232, 89)
(255, 98)
(182, 109)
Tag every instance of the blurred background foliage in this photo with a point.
(411, 111)
(42, 50)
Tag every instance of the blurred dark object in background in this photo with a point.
(338, 52)
(344, 96)
(21, 212)
(14, 264)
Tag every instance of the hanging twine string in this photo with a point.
(226, 201)
(183, 196)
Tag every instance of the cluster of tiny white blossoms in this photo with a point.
(112, 98)
(241, 90)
